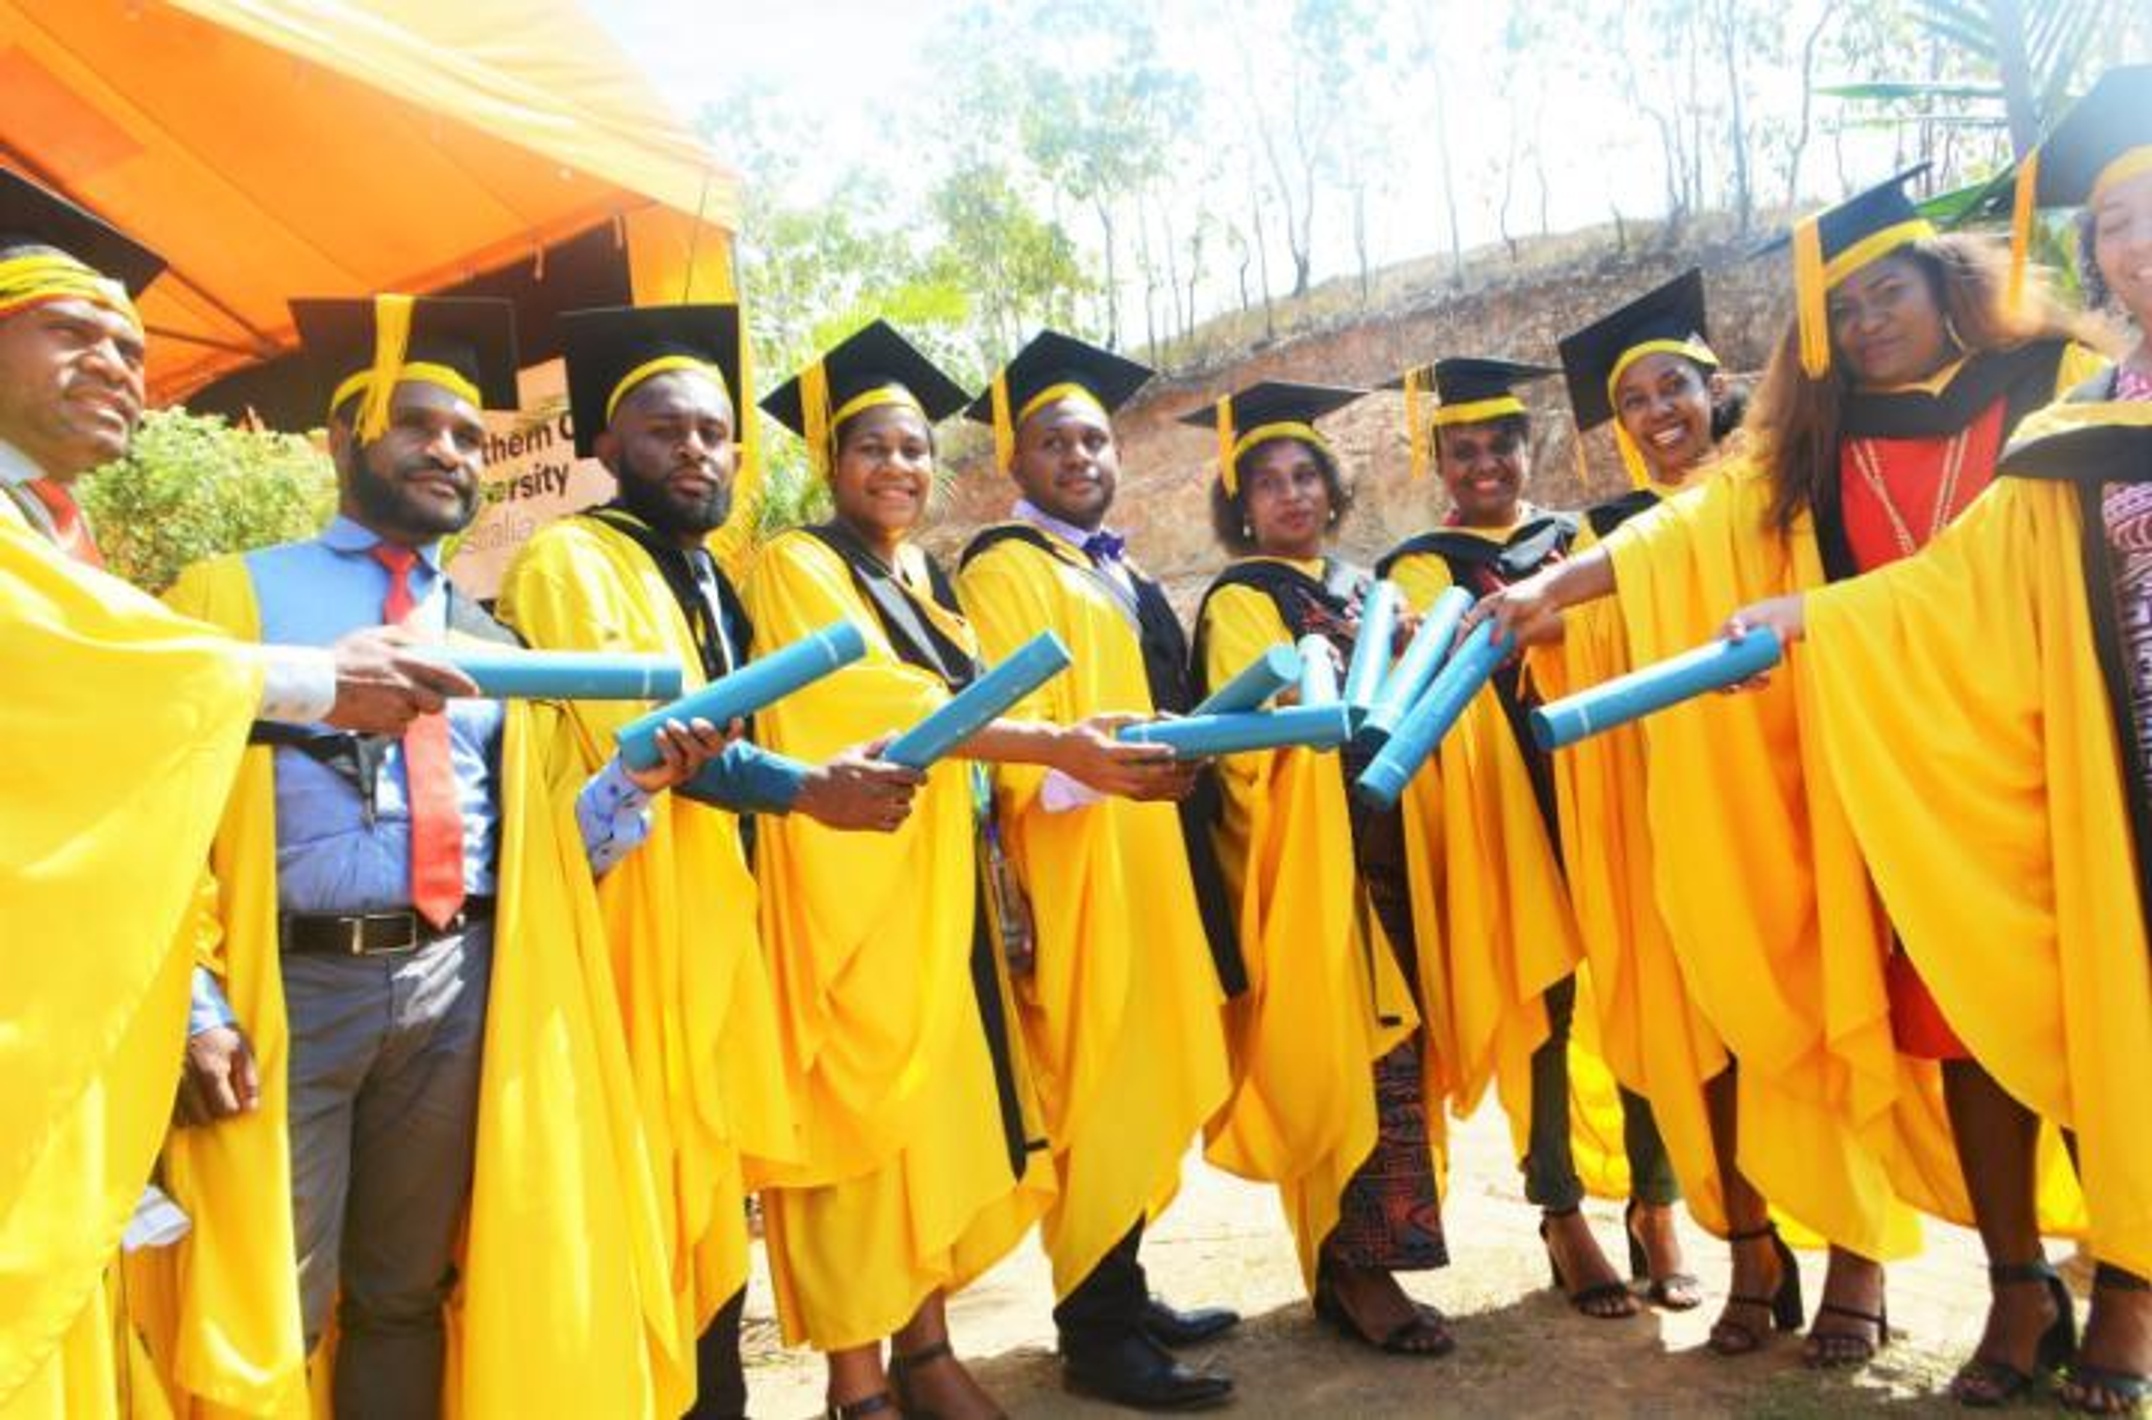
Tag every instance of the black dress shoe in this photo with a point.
(1134, 1372)
(1169, 1326)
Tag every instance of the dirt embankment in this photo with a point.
(1167, 465)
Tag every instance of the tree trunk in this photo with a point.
(1262, 269)
(1113, 273)
(2007, 19)
(1737, 130)
(1808, 100)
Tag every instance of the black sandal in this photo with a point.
(1987, 1384)
(1425, 1323)
(1843, 1350)
(1582, 1299)
(901, 1367)
(2118, 1392)
(1730, 1337)
(1676, 1291)
(880, 1403)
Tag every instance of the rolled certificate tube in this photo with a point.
(981, 703)
(1371, 651)
(1260, 679)
(1415, 670)
(761, 682)
(1643, 692)
(1419, 732)
(564, 675)
(1318, 672)
(1200, 737)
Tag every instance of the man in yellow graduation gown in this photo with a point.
(1121, 1009)
(409, 1073)
(652, 396)
(89, 1037)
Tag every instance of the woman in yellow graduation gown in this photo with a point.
(1646, 371)
(1882, 412)
(921, 1163)
(1485, 873)
(2001, 797)
(1329, 1099)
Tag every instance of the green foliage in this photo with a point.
(194, 486)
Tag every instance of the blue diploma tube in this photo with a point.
(565, 675)
(1415, 670)
(1417, 735)
(1260, 679)
(1308, 726)
(1318, 672)
(1643, 692)
(757, 684)
(1371, 651)
(981, 703)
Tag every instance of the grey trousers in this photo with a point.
(384, 1109)
(1550, 1169)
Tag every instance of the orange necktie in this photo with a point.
(429, 776)
(69, 528)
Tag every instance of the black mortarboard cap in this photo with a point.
(474, 337)
(1467, 379)
(603, 347)
(1674, 311)
(2110, 121)
(871, 358)
(1275, 402)
(1054, 359)
(35, 213)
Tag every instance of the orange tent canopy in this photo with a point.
(273, 148)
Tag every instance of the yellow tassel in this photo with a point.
(814, 414)
(1004, 424)
(1810, 294)
(1415, 427)
(2021, 219)
(392, 341)
(1226, 474)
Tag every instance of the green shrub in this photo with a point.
(194, 486)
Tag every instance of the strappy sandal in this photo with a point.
(1583, 1298)
(1426, 1334)
(1676, 1291)
(2116, 1392)
(1733, 1337)
(881, 1403)
(1843, 1350)
(902, 1366)
(1984, 1383)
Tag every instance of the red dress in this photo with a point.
(1894, 496)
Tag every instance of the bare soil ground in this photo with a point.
(1522, 1351)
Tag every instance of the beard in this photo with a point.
(388, 505)
(646, 494)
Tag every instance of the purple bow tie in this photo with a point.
(1103, 546)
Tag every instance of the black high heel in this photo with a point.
(1659, 1291)
(1735, 1338)
(901, 1366)
(1583, 1299)
(1984, 1384)
(879, 1404)
(2104, 1390)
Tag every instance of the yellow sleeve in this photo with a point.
(2079, 364)
(1239, 624)
(561, 596)
(1009, 595)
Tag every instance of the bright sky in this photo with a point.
(863, 68)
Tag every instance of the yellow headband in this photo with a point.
(35, 277)
(821, 422)
(1233, 448)
(1813, 278)
(2133, 163)
(1478, 411)
(1415, 427)
(651, 369)
(1006, 421)
(423, 372)
(1632, 457)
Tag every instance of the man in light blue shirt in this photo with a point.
(387, 857)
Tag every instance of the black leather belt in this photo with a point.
(375, 934)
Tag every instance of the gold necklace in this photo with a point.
(1871, 471)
